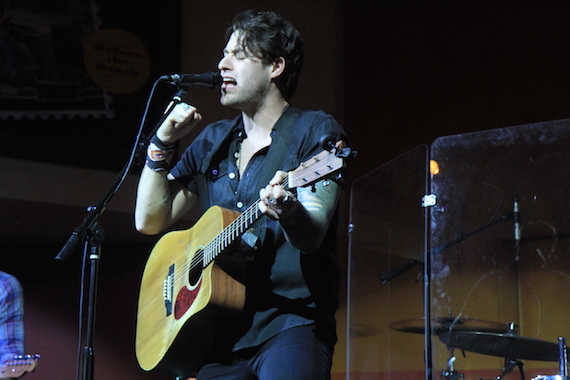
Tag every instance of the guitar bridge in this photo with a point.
(168, 292)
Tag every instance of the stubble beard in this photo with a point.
(250, 99)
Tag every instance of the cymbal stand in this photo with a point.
(563, 355)
(509, 366)
(451, 373)
(509, 362)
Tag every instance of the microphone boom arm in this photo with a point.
(391, 273)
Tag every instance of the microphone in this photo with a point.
(210, 79)
(517, 220)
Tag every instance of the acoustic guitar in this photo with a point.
(184, 294)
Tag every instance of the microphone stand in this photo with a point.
(91, 234)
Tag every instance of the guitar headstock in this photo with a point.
(18, 366)
(318, 167)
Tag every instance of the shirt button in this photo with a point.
(239, 204)
(232, 175)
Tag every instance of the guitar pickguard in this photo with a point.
(185, 299)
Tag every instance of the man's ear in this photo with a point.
(278, 67)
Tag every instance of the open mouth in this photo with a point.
(228, 82)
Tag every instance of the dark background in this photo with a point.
(412, 71)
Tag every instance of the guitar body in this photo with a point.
(181, 310)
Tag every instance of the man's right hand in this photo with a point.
(181, 120)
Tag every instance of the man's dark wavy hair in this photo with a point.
(269, 36)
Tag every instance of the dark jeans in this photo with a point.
(294, 354)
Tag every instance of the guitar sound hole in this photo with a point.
(196, 267)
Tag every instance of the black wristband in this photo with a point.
(167, 148)
(159, 154)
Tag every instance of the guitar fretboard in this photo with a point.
(234, 230)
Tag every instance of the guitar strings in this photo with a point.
(224, 239)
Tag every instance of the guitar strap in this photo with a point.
(280, 143)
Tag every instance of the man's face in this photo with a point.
(246, 80)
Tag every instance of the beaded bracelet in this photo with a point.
(159, 154)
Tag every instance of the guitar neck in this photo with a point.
(232, 232)
(309, 172)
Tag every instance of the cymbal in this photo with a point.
(440, 325)
(509, 346)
